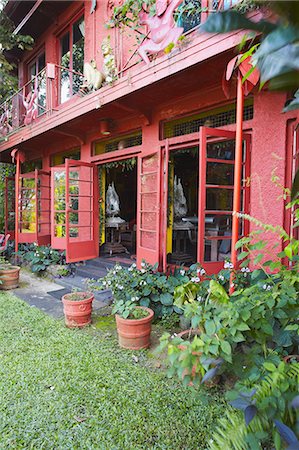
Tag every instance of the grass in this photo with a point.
(75, 389)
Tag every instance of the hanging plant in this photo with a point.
(126, 164)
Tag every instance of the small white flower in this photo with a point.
(195, 279)
(120, 288)
(130, 269)
(200, 299)
(134, 266)
(202, 271)
(221, 277)
(243, 269)
(109, 282)
(182, 272)
(232, 285)
(142, 270)
(133, 299)
(143, 264)
(269, 288)
(264, 286)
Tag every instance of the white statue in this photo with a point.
(112, 206)
(180, 202)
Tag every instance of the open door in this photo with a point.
(148, 208)
(216, 187)
(34, 208)
(81, 224)
(9, 205)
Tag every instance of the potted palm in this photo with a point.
(9, 275)
(133, 324)
(77, 307)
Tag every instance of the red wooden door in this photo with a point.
(216, 187)
(81, 218)
(148, 208)
(9, 206)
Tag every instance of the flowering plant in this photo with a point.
(146, 287)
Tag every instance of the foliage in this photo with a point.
(277, 56)
(40, 258)
(128, 310)
(269, 410)
(9, 41)
(125, 164)
(77, 389)
(145, 287)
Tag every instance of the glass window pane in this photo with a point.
(65, 86)
(220, 173)
(78, 53)
(221, 150)
(219, 199)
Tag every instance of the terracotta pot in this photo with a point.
(77, 313)
(134, 334)
(9, 276)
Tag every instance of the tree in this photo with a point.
(277, 54)
(9, 41)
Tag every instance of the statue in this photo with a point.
(162, 27)
(5, 126)
(180, 202)
(93, 78)
(31, 104)
(112, 207)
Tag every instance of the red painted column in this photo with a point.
(237, 174)
(17, 193)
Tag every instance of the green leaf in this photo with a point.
(270, 367)
(226, 347)
(242, 326)
(166, 299)
(210, 327)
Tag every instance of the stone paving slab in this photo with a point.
(36, 292)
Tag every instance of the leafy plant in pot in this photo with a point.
(9, 275)
(133, 324)
(77, 307)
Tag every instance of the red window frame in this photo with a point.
(68, 29)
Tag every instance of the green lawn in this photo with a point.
(75, 389)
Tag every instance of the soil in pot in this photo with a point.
(134, 334)
(9, 276)
(77, 307)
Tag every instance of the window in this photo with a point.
(119, 143)
(71, 59)
(215, 118)
(59, 158)
(36, 69)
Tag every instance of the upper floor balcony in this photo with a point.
(58, 93)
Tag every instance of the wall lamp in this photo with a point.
(105, 127)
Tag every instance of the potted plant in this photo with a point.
(133, 324)
(9, 275)
(77, 307)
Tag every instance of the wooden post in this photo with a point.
(17, 193)
(237, 176)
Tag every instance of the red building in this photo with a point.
(161, 135)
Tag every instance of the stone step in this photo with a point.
(105, 263)
(91, 272)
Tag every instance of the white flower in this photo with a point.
(133, 266)
(200, 299)
(195, 279)
(182, 272)
(120, 288)
(173, 336)
(228, 265)
(143, 264)
(243, 269)
(130, 269)
(109, 283)
(269, 288)
(202, 271)
(221, 277)
(265, 286)
(142, 270)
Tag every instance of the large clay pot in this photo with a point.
(9, 276)
(134, 334)
(77, 313)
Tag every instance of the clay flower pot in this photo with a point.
(77, 307)
(291, 358)
(9, 276)
(134, 334)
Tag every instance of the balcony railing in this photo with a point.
(40, 96)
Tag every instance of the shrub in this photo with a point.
(146, 287)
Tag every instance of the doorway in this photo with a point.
(118, 210)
